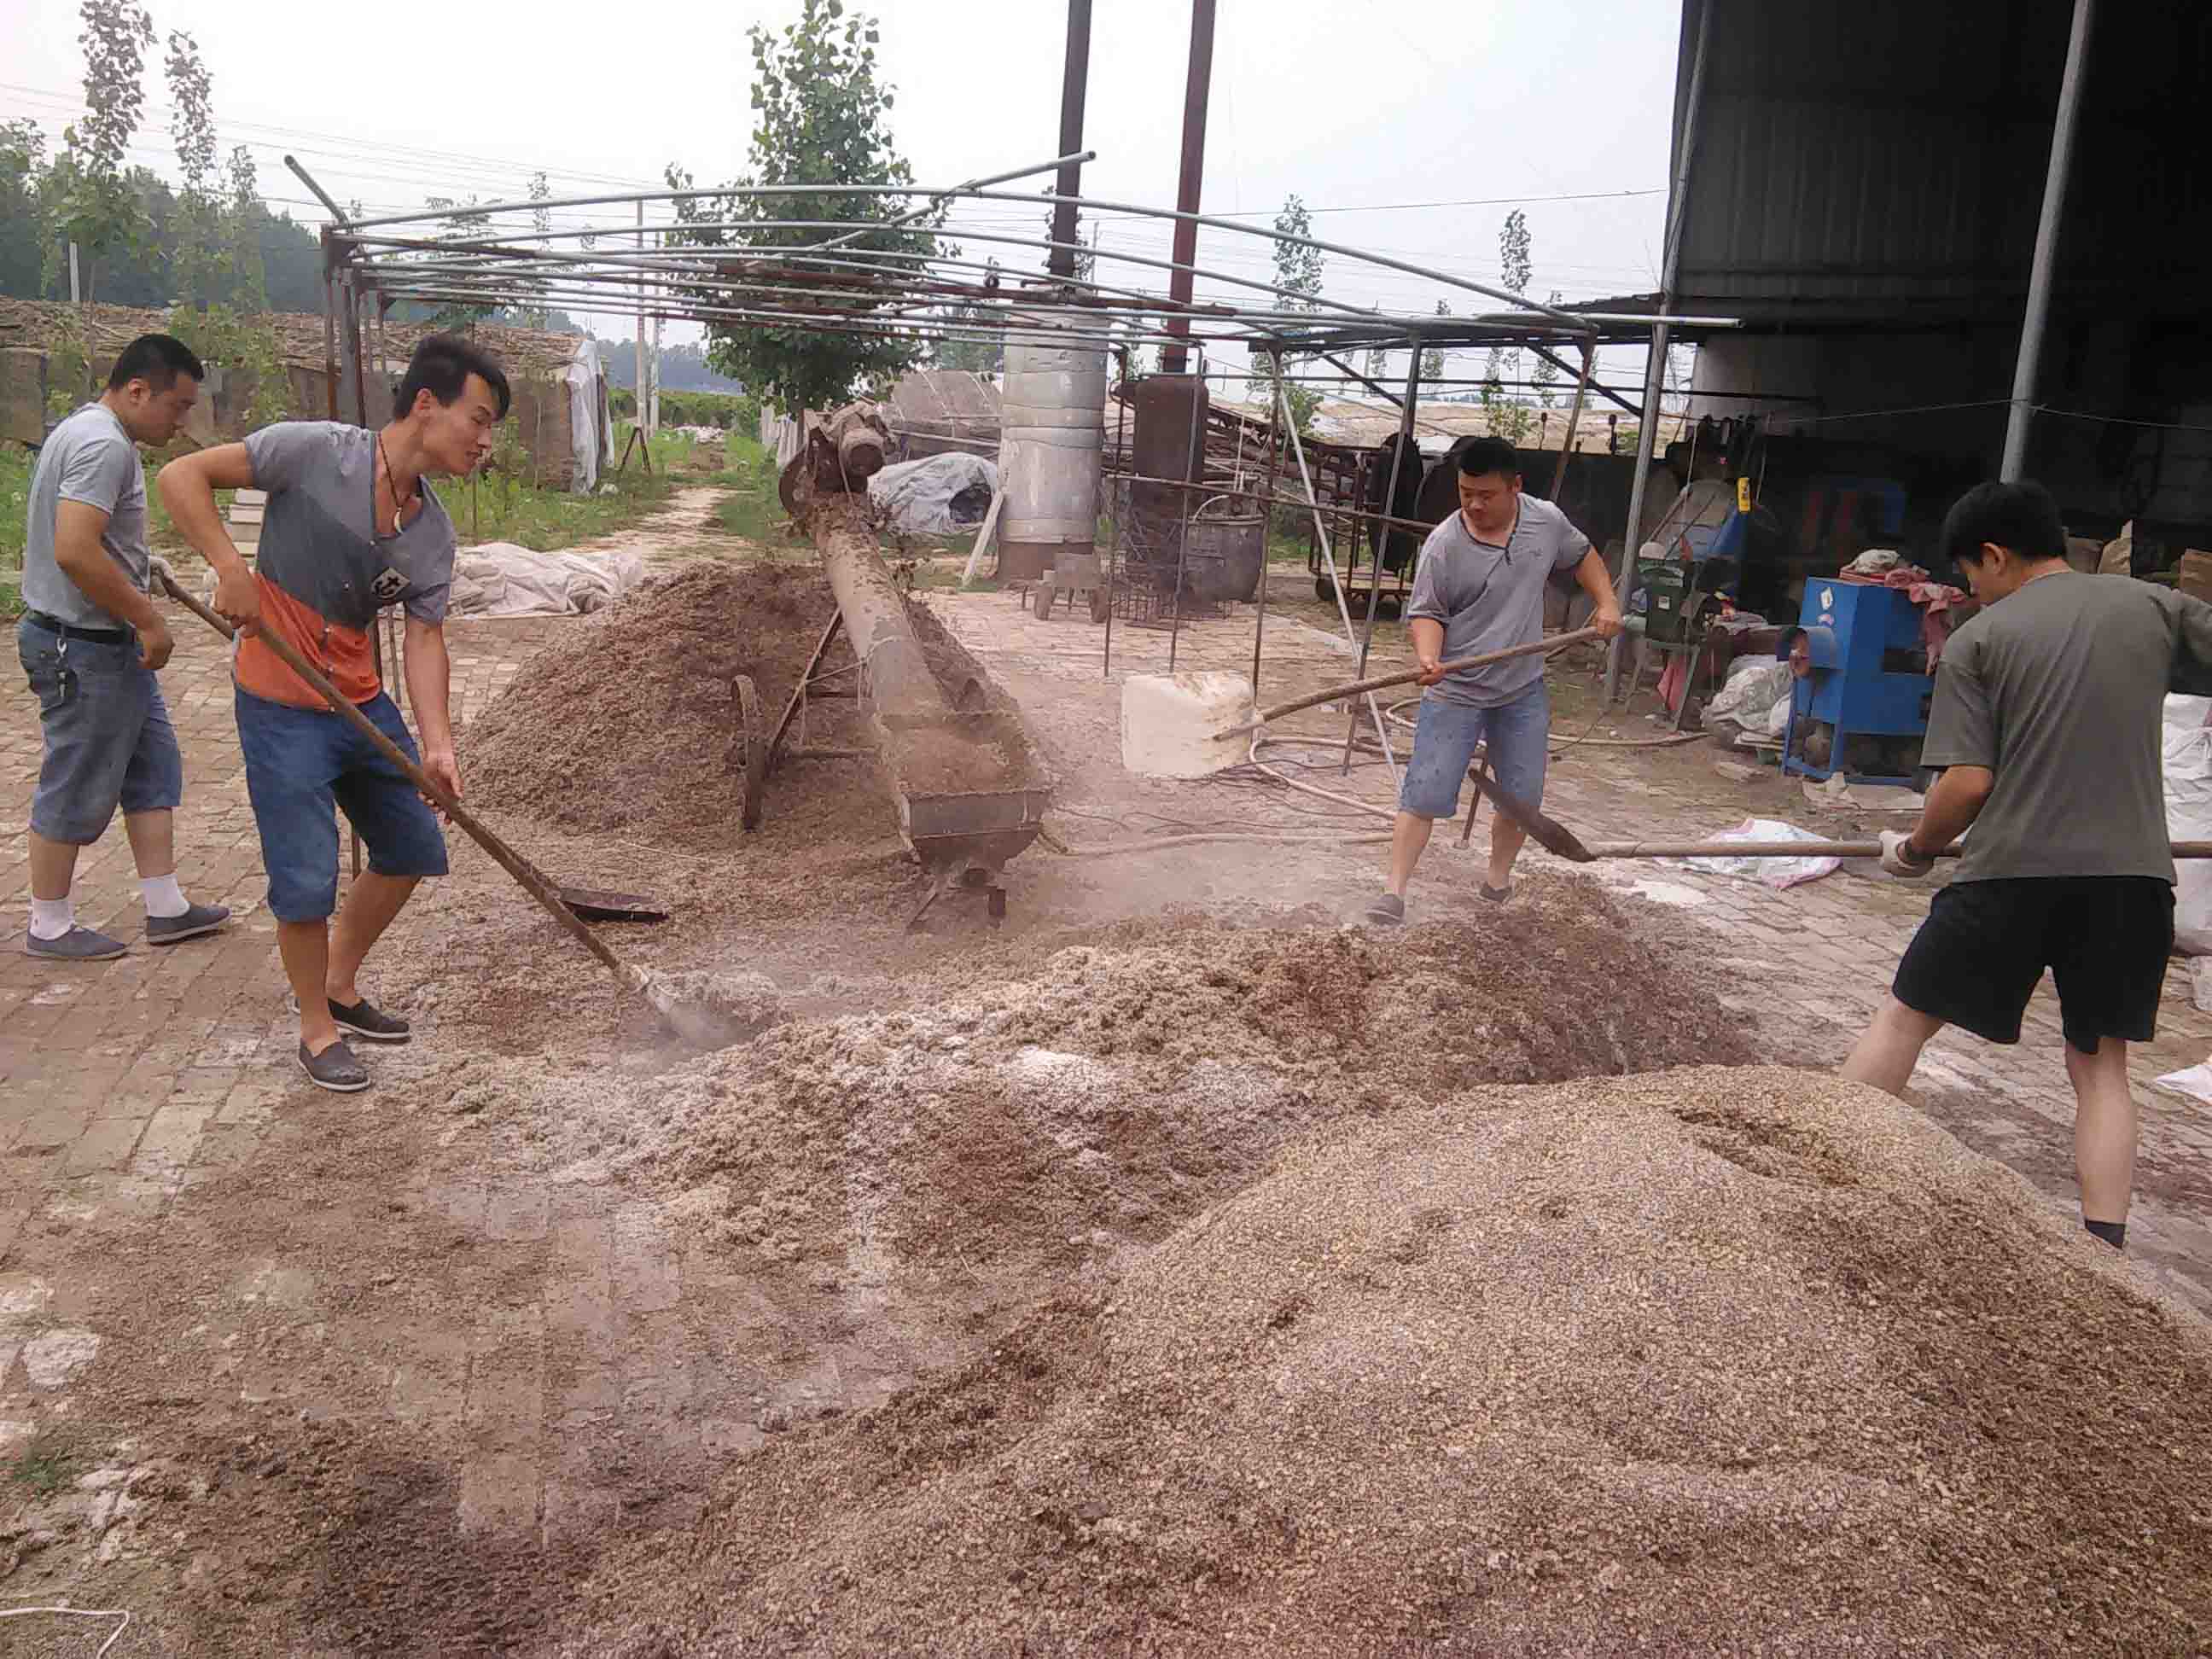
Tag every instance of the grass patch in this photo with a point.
(44, 1466)
(751, 508)
(15, 464)
(506, 507)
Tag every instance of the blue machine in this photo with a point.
(1863, 710)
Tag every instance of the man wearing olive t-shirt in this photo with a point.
(351, 525)
(2046, 724)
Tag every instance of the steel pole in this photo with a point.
(1574, 420)
(1383, 537)
(1075, 81)
(1267, 523)
(2034, 324)
(1655, 372)
(1174, 359)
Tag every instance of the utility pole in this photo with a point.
(1075, 81)
(2038, 317)
(1175, 358)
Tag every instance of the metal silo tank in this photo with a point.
(1052, 426)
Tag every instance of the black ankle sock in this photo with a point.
(2114, 1233)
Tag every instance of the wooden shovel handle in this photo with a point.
(511, 861)
(1797, 849)
(1381, 681)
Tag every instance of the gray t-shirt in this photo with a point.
(88, 458)
(1489, 598)
(318, 541)
(2058, 690)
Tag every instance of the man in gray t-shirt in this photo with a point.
(1479, 588)
(91, 643)
(2046, 724)
(353, 523)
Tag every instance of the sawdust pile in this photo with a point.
(1742, 1360)
(625, 722)
(1098, 1097)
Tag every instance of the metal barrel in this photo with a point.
(1052, 429)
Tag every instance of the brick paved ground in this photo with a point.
(130, 1090)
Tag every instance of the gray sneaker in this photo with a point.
(78, 944)
(200, 919)
(1388, 910)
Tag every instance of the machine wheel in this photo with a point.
(1040, 599)
(1389, 607)
(1101, 602)
(1324, 589)
(748, 755)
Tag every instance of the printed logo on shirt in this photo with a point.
(388, 587)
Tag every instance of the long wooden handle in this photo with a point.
(515, 864)
(1381, 681)
(1796, 849)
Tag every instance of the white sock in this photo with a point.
(51, 918)
(163, 895)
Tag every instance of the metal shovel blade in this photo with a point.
(597, 904)
(1548, 833)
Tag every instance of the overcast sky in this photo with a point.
(1356, 108)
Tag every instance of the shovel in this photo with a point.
(695, 1024)
(1383, 682)
(1555, 837)
(1176, 725)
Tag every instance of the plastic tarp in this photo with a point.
(1756, 686)
(2187, 751)
(1775, 873)
(585, 439)
(501, 579)
(938, 496)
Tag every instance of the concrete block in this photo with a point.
(1171, 723)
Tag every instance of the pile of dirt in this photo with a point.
(1741, 1359)
(1095, 1098)
(626, 721)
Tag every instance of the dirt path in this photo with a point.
(680, 529)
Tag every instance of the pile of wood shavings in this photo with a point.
(1750, 1360)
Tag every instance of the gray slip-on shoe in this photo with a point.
(337, 1068)
(1497, 894)
(78, 944)
(1388, 909)
(199, 919)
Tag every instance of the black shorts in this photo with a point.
(1979, 956)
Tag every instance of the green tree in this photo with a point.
(23, 227)
(215, 263)
(1432, 361)
(821, 117)
(92, 202)
(1545, 373)
(197, 258)
(1298, 273)
(245, 227)
(1508, 417)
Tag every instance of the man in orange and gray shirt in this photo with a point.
(351, 525)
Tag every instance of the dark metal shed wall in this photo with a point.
(1883, 159)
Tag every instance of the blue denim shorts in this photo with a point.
(304, 765)
(1518, 735)
(108, 740)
